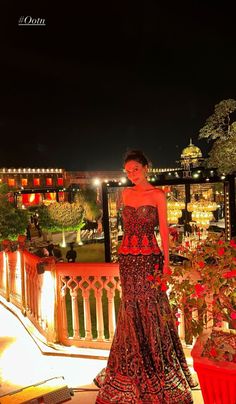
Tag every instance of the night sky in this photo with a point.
(105, 77)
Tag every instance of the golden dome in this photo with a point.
(191, 152)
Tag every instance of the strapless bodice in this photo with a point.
(139, 224)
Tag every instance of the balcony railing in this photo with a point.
(69, 304)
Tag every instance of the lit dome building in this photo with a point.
(191, 156)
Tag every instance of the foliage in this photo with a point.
(221, 128)
(219, 155)
(13, 221)
(45, 219)
(62, 215)
(219, 125)
(87, 199)
(221, 346)
(204, 287)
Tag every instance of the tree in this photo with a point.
(219, 124)
(221, 129)
(223, 155)
(13, 221)
(87, 199)
(61, 216)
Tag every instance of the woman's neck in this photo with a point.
(143, 186)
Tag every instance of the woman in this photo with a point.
(146, 362)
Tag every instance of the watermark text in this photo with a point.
(28, 20)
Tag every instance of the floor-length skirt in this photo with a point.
(146, 362)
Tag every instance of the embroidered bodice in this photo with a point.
(139, 224)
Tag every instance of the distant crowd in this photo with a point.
(51, 250)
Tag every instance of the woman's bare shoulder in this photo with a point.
(159, 194)
(125, 193)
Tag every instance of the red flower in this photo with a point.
(177, 323)
(213, 352)
(233, 315)
(177, 315)
(156, 267)
(201, 264)
(232, 243)
(220, 242)
(199, 289)
(164, 286)
(229, 274)
(150, 278)
(221, 251)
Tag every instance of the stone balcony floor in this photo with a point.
(22, 364)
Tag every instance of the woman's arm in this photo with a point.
(163, 226)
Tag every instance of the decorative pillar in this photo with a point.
(21, 244)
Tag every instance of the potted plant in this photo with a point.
(214, 360)
(203, 288)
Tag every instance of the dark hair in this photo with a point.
(136, 155)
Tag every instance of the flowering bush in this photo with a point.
(204, 286)
(221, 346)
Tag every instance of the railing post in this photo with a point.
(75, 313)
(61, 307)
(87, 315)
(99, 314)
(6, 246)
(22, 270)
(111, 313)
(49, 289)
(21, 246)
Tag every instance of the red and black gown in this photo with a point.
(146, 362)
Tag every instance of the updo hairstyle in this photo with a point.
(138, 156)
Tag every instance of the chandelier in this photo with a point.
(202, 205)
(174, 210)
(202, 212)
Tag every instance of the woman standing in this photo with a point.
(146, 362)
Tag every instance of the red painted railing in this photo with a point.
(69, 304)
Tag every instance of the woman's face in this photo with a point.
(135, 171)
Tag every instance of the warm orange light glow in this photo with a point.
(11, 182)
(49, 181)
(31, 198)
(24, 182)
(37, 182)
(47, 300)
